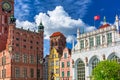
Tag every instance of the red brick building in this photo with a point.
(21, 51)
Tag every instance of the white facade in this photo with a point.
(92, 47)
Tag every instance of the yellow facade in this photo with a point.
(53, 64)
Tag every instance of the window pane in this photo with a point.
(115, 58)
(94, 63)
(62, 64)
(97, 40)
(80, 70)
(109, 38)
(68, 73)
(17, 57)
(65, 55)
(38, 73)
(82, 44)
(91, 42)
(63, 74)
(68, 64)
(17, 72)
(31, 73)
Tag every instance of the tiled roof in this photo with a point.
(104, 26)
(55, 34)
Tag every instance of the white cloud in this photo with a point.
(25, 25)
(56, 20)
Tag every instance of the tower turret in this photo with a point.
(40, 27)
(117, 22)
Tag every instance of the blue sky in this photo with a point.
(64, 16)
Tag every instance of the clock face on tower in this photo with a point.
(6, 6)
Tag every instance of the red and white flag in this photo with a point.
(96, 17)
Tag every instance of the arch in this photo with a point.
(114, 56)
(93, 63)
(79, 70)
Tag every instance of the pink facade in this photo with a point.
(66, 65)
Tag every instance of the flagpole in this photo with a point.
(94, 23)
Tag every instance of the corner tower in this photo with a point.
(58, 41)
(6, 17)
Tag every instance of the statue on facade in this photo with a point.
(103, 39)
(12, 19)
(52, 76)
(86, 43)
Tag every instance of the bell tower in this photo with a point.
(6, 10)
(6, 16)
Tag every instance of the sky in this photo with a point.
(64, 16)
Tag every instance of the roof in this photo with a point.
(55, 34)
(104, 26)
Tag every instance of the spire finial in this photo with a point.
(40, 27)
(104, 19)
(116, 18)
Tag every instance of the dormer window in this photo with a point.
(65, 55)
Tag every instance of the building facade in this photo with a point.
(45, 68)
(93, 47)
(21, 51)
(66, 65)
(57, 44)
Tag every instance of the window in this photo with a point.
(68, 73)
(53, 55)
(57, 71)
(31, 73)
(68, 64)
(62, 64)
(37, 42)
(24, 72)
(3, 73)
(17, 57)
(62, 73)
(95, 62)
(80, 70)
(81, 44)
(109, 38)
(115, 58)
(3, 60)
(52, 63)
(24, 40)
(38, 73)
(17, 39)
(17, 72)
(31, 59)
(91, 42)
(31, 41)
(57, 63)
(97, 40)
(31, 47)
(17, 45)
(24, 58)
(24, 46)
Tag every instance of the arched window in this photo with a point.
(115, 58)
(80, 70)
(95, 62)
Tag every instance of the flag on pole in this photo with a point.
(96, 17)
